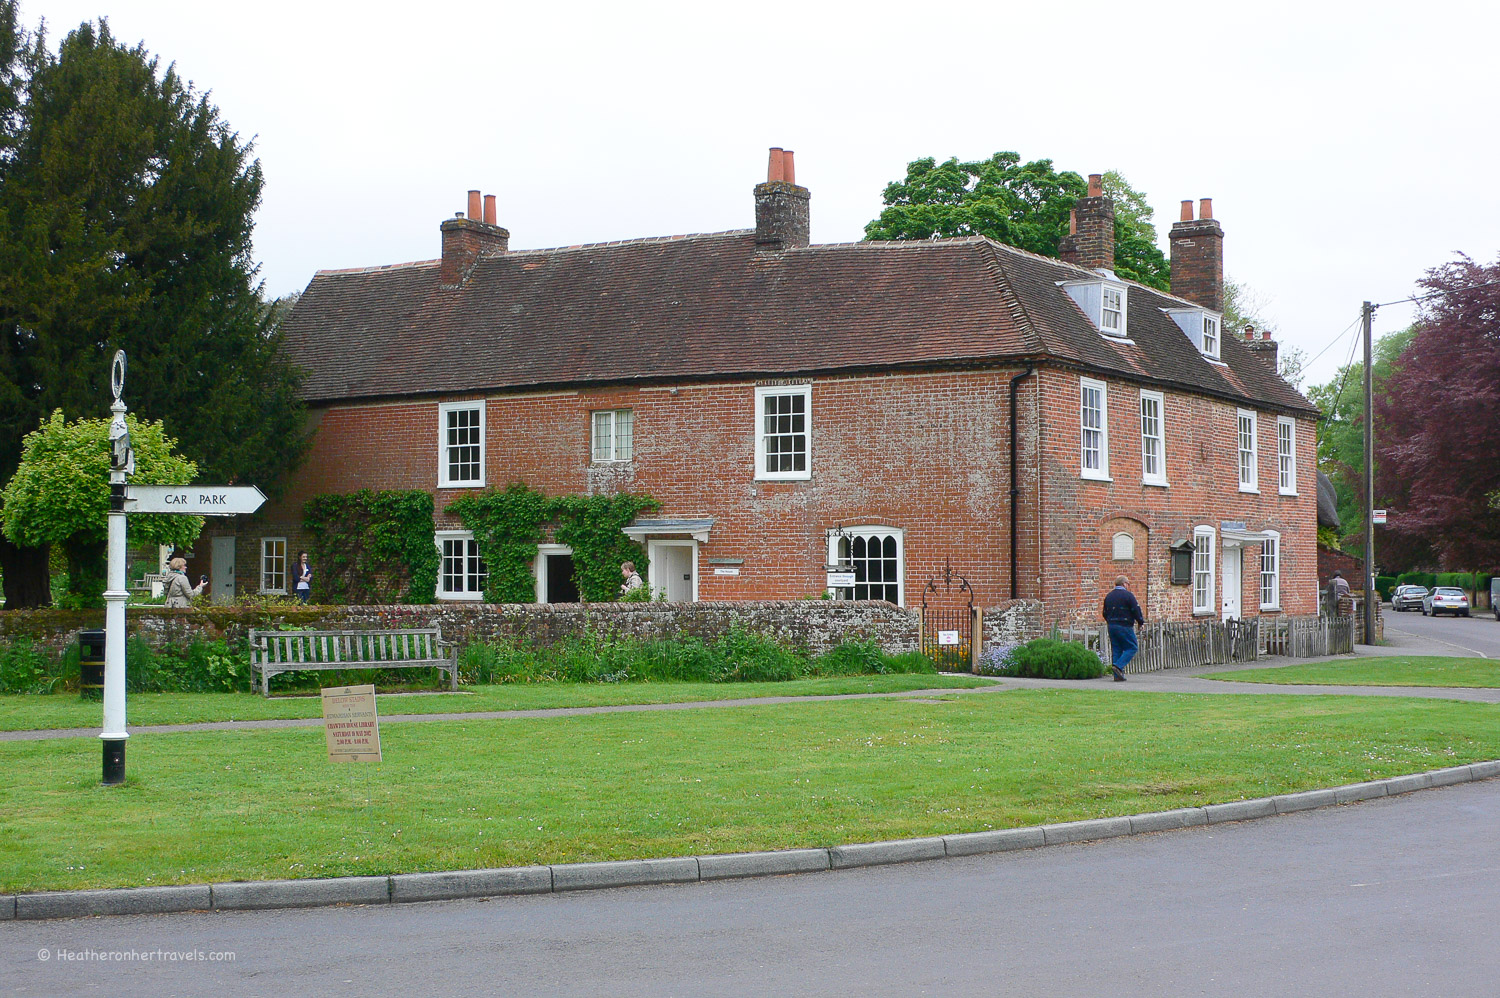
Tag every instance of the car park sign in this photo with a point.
(196, 500)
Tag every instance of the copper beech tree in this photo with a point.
(1435, 460)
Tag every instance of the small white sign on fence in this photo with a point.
(948, 638)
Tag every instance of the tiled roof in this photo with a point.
(707, 306)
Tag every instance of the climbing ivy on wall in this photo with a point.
(509, 523)
(372, 547)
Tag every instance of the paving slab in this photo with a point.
(1084, 831)
(453, 884)
(624, 873)
(998, 840)
(763, 864)
(118, 901)
(247, 894)
(878, 853)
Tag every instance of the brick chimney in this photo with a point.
(1198, 257)
(467, 237)
(781, 215)
(1067, 246)
(1092, 239)
(1262, 344)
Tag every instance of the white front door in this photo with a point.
(1232, 580)
(221, 570)
(674, 569)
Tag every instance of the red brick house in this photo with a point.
(1039, 424)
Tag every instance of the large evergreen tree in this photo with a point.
(126, 207)
(1025, 205)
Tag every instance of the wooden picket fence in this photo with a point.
(1187, 644)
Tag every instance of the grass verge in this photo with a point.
(63, 710)
(1395, 670)
(216, 806)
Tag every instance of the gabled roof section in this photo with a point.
(711, 306)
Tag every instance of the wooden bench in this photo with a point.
(273, 652)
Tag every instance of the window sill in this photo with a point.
(1250, 490)
(1271, 609)
(1203, 614)
(784, 478)
(1289, 495)
(1158, 483)
(1213, 360)
(272, 592)
(622, 462)
(460, 485)
(1095, 476)
(461, 597)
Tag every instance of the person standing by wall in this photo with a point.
(303, 574)
(180, 591)
(632, 579)
(1122, 612)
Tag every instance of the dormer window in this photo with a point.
(1201, 326)
(1112, 311)
(1104, 302)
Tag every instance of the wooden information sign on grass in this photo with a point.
(350, 724)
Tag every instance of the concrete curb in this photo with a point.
(453, 885)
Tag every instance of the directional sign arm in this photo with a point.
(193, 500)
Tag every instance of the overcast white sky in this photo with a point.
(1347, 147)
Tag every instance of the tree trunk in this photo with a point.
(28, 584)
(86, 564)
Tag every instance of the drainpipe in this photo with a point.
(1015, 490)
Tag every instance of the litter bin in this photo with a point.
(91, 664)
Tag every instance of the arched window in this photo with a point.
(875, 556)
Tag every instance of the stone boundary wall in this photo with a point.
(815, 625)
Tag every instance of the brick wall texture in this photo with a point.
(924, 453)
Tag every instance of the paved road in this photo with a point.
(1476, 635)
(1392, 897)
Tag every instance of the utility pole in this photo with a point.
(1368, 314)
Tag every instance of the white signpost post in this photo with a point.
(193, 500)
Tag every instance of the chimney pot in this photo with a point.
(776, 168)
(474, 209)
(1197, 251)
(489, 209)
(1096, 185)
(788, 168)
(1206, 208)
(1187, 211)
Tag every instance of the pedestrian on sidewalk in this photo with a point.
(1122, 613)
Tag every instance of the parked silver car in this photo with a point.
(1445, 599)
(1408, 597)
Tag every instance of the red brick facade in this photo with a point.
(925, 453)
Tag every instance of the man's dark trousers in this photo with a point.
(1122, 642)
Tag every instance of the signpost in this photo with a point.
(196, 500)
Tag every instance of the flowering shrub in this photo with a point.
(997, 661)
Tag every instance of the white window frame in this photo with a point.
(285, 568)
(1213, 330)
(443, 592)
(1159, 400)
(1104, 291)
(443, 446)
(868, 531)
(1204, 540)
(1270, 580)
(1101, 473)
(763, 392)
(1286, 455)
(614, 454)
(1252, 484)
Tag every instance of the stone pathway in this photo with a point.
(1176, 681)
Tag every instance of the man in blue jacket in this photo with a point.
(1122, 613)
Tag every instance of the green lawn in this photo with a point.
(1396, 670)
(213, 806)
(30, 713)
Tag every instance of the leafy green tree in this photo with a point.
(60, 494)
(126, 207)
(1025, 205)
(1341, 453)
